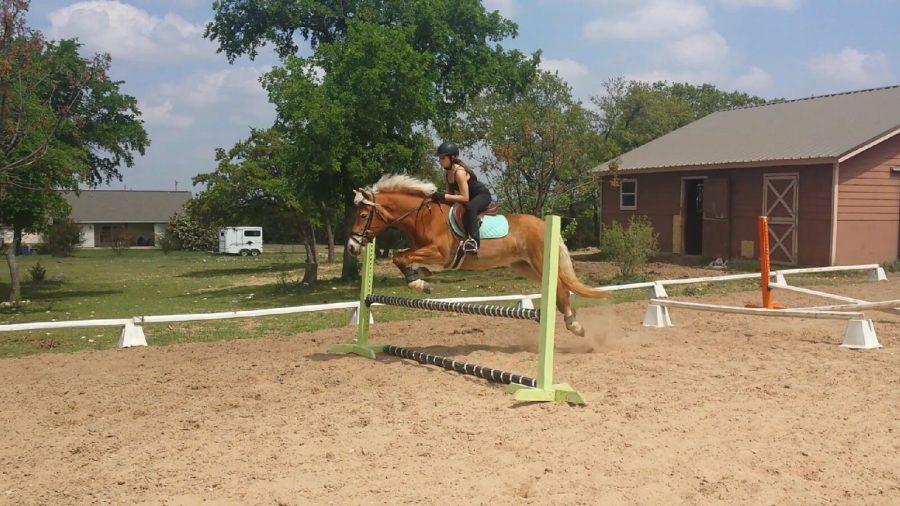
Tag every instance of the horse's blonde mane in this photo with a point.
(402, 183)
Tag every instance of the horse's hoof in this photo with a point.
(420, 285)
(575, 328)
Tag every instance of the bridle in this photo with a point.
(366, 235)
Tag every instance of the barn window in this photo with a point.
(628, 194)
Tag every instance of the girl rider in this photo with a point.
(464, 188)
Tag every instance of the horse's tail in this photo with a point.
(568, 276)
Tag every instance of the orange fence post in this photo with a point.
(765, 265)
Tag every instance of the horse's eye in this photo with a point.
(363, 215)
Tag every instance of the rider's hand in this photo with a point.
(439, 196)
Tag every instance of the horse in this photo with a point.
(405, 202)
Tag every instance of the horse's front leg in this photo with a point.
(426, 255)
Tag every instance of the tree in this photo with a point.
(382, 75)
(356, 121)
(63, 123)
(633, 113)
(253, 184)
(540, 146)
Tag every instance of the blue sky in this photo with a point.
(194, 101)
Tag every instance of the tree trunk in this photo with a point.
(350, 269)
(15, 290)
(329, 233)
(311, 271)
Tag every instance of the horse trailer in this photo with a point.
(242, 241)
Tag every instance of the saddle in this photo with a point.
(458, 211)
(491, 224)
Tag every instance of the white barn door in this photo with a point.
(781, 195)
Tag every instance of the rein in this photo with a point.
(367, 235)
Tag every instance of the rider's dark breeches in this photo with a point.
(477, 204)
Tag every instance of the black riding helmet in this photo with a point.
(448, 148)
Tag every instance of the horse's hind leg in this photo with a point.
(564, 304)
(563, 300)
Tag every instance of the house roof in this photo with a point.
(821, 128)
(125, 206)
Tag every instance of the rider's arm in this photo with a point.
(463, 184)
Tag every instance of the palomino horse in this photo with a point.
(403, 202)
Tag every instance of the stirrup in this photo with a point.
(470, 245)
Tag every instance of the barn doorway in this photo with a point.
(692, 207)
(781, 197)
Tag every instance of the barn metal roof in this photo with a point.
(816, 128)
(125, 206)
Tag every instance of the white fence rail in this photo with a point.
(133, 334)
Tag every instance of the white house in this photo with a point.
(138, 217)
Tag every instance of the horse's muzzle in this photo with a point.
(354, 245)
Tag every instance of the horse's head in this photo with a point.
(398, 196)
(369, 221)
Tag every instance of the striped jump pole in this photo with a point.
(538, 389)
(459, 366)
(520, 313)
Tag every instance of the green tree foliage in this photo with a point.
(633, 113)
(188, 233)
(541, 146)
(63, 123)
(256, 183)
(461, 38)
(381, 77)
(250, 186)
(62, 237)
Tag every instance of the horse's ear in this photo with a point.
(357, 197)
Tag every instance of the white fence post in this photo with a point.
(132, 335)
(657, 316)
(877, 274)
(354, 317)
(860, 335)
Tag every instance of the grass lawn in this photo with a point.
(98, 284)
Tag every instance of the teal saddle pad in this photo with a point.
(492, 227)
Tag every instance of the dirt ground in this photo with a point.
(719, 409)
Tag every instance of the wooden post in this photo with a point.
(361, 345)
(546, 390)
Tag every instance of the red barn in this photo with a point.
(825, 170)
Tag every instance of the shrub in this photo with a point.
(190, 234)
(63, 236)
(892, 266)
(37, 272)
(630, 247)
(167, 243)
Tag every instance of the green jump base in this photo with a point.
(561, 392)
(363, 351)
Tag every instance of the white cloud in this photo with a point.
(754, 80)
(787, 5)
(161, 114)
(657, 19)
(702, 49)
(567, 68)
(129, 33)
(506, 7)
(852, 67)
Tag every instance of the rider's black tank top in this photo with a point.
(476, 187)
